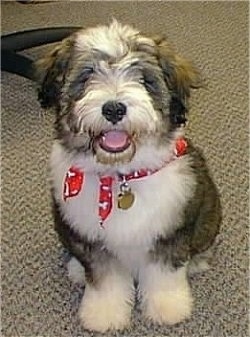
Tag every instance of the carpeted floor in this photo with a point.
(37, 298)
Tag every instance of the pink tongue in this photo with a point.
(115, 141)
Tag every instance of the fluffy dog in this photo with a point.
(133, 199)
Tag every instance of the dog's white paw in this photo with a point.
(169, 307)
(108, 307)
(167, 299)
(76, 271)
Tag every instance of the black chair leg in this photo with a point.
(17, 64)
(15, 42)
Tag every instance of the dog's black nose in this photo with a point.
(114, 111)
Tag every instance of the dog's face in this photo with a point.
(116, 91)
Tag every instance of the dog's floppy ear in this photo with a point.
(180, 76)
(50, 73)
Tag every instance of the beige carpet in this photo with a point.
(37, 298)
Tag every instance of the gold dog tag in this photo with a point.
(126, 199)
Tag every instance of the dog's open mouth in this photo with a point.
(114, 141)
(114, 146)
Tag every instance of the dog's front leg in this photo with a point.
(166, 294)
(108, 300)
(109, 288)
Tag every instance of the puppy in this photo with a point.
(133, 200)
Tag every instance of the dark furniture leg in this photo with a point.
(11, 44)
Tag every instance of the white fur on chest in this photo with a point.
(159, 202)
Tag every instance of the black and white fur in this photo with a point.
(176, 213)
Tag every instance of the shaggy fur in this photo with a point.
(112, 80)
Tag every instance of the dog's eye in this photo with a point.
(86, 73)
(76, 87)
(150, 83)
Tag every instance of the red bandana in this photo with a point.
(75, 178)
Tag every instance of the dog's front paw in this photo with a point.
(167, 297)
(106, 308)
(170, 307)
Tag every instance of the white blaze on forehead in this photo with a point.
(112, 40)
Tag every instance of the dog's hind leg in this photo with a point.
(200, 262)
(76, 271)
